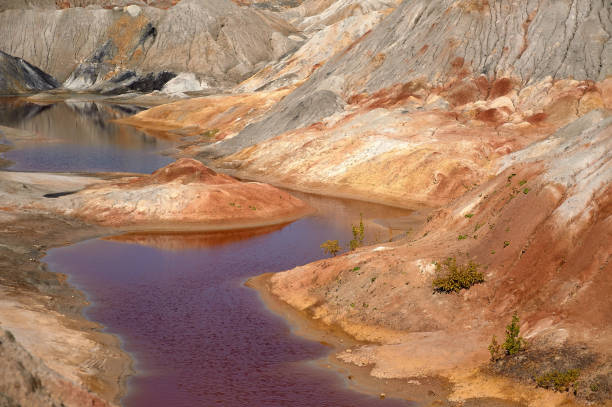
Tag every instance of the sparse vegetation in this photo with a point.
(506, 243)
(557, 380)
(469, 215)
(462, 237)
(210, 133)
(454, 278)
(526, 191)
(514, 342)
(495, 350)
(331, 247)
(358, 234)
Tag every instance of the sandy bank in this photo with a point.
(67, 357)
(58, 356)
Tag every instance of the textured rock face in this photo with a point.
(449, 44)
(215, 39)
(18, 76)
(321, 46)
(282, 117)
(408, 145)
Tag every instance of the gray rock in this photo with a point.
(183, 82)
(438, 40)
(133, 10)
(214, 39)
(18, 76)
(300, 112)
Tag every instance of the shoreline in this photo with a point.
(474, 387)
(424, 390)
(329, 192)
(46, 313)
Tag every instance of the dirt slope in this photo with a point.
(540, 231)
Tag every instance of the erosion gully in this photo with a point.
(178, 302)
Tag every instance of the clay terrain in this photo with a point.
(490, 119)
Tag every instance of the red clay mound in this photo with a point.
(185, 195)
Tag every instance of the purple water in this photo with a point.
(198, 335)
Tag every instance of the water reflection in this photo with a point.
(190, 241)
(80, 136)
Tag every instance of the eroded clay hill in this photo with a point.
(140, 48)
(496, 112)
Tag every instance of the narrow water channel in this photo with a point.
(198, 335)
(78, 136)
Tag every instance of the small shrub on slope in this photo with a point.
(454, 278)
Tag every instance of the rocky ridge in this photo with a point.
(460, 57)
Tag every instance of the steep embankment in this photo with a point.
(18, 76)
(141, 48)
(540, 231)
(344, 23)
